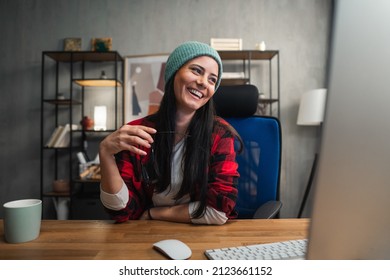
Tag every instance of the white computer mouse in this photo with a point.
(174, 249)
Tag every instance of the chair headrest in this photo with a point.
(237, 101)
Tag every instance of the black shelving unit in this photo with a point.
(247, 58)
(64, 72)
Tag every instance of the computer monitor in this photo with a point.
(351, 210)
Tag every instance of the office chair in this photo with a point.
(260, 160)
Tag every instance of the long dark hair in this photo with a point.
(197, 148)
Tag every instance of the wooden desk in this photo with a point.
(76, 239)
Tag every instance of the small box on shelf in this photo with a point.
(89, 171)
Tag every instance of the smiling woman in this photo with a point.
(194, 177)
(194, 85)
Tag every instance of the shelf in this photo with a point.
(62, 102)
(68, 73)
(91, 56)
(247, 54)
(87, 181)
(98, 83)
(57, 194)
(94, 131)
(57, 148)
(269, 83)
(267, 101)
(232, 82)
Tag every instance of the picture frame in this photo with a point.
(101, 44)
(144, 84)
(72, 44)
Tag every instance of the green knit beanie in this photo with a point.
(187, 51)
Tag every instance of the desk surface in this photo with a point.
(76, 239)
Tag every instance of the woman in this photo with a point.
(179, 163)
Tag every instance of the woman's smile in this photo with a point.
(196, 93)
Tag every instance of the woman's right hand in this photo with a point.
(128, 137)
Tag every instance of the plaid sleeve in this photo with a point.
(139, 198)
(223, 174)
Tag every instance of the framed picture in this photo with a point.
(101, 44)
(72, 44)
(144, 85)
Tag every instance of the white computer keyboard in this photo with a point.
(284, 250)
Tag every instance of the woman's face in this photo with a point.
(194, 83)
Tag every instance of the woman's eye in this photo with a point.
(213, 81)
(196, 70)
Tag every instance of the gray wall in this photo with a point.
(298, 29)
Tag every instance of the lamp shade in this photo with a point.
(312, 107)
(100, 117)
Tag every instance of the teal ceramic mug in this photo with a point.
(22, 220)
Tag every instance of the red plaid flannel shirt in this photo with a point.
(222, 177)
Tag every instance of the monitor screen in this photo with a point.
(351, 210)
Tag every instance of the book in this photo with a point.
(233, 75)
(228, 44)
(63, 138)
(54, 136)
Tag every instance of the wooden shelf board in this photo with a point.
(231, 82)
(247, 54)
(75, 56)
(62, 101)
(98, 82)
(56, 194)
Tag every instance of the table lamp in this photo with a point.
(100, 117)
(311, 113)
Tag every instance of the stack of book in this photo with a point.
(233, 75)
(60, 138)
(226, 44)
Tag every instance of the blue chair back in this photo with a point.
(260, 161)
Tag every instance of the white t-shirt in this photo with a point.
(119, 200)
